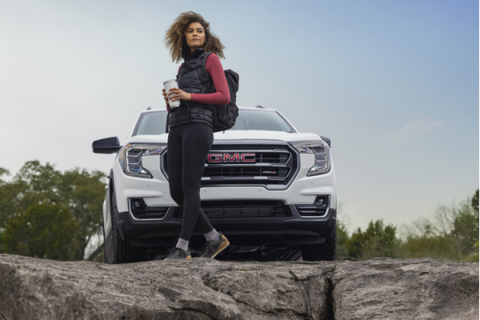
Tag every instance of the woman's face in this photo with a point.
(195, 36)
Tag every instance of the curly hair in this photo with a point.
(175, 36)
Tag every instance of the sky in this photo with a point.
(394, 85)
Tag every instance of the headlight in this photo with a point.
(320, 150)
(131, 158)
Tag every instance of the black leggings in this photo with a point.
(188, 147)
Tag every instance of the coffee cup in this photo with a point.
(168, 85)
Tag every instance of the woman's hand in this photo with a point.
(177, 94)
(165, 96)
(167, 105)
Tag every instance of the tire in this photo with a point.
(116, 249)
(321, 252)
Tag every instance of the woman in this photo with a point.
(190, 135)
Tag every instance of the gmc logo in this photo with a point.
(230, 157)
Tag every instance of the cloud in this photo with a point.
(412, 130)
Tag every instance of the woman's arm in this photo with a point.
(222, 94)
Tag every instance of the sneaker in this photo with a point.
(178, 253)
(213, 248)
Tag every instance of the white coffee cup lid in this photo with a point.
(169, 81)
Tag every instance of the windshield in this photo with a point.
(261, 120)
(153, 123)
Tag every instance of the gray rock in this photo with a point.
(209, 289)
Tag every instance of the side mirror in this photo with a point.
(327, 140)
(106, 145)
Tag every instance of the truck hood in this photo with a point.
(264, 135)
(236, 135)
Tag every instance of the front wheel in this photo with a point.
(324, 251)
(116, 249)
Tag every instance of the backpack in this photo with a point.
(224, 116)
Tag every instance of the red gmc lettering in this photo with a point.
(251, 157)
(227, 157)
(232, 158)
(215, 157)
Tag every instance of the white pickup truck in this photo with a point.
(266, 186)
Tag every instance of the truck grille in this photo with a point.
(241, 209)
(270, 165)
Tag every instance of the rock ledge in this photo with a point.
(210, 289)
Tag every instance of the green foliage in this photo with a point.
(378, 240)
(83, 193)
(354, 245)
(342, 238)
(78, 191)
(6, 204)
(43, 230)
(451, 234)
(465, 228)
(475, 202)
(438, 247)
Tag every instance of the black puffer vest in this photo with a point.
(189, 81)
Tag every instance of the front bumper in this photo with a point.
(161, 226)
(289, 230)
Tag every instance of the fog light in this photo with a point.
(319, 201)
(138, 204)
(319, 208)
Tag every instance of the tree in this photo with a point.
(80, 192)
(465, 228)
(475, 210)
(342, 239)
(5, 201)
(83, 193)
(378, 240)
(354, 245)
(342, 233)
(475, 202)
(6, 206)
(43, 231)
(35, 183)
(452, 234)
(423, 240)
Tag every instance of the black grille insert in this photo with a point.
(241, 209)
